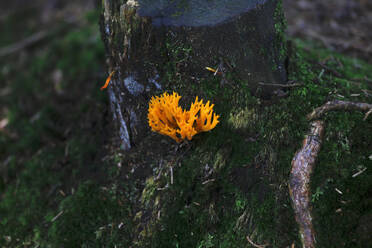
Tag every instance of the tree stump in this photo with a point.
(160, 45)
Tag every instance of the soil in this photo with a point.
(340, 25)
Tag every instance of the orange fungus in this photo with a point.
(166, 117)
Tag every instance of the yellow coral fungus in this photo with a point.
(167, 118)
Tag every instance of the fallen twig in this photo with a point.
(160, 169)
(291, 84)
(359, 172)
(57, 216)
(23, 43)
(364, 79)
(338, 191)
(208, 181)
(339, 105)
(367, 92)
(334, 72)
(299, 182)
(171, 173)
(3, 123)
(367, 114)
(255, 245)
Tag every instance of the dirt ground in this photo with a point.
(340, 25)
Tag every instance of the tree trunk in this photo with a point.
(165, 45)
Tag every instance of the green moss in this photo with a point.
(233, 181)
(228, 183)
(280, 26)
(23, 202)
(149, 190)
(101, 214)
(43, 155)
(243, 119)
(346, 143)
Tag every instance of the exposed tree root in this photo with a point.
(23, 43)
(299, 182)
(338, 105)
(303, 165)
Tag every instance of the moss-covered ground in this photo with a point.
(61, 184)
(52, 168)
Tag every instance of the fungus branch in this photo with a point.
(168, 118)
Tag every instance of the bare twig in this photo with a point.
(367, 92)
(23, 43)
(338, 191)
(299, 182)
(368, 80)
(367, 114)
(339, 105)
(57, 216)
(3, 123)
(334, 72)
(282, 85)
(359, 172)
(208, 181)
(365, 79)
(255, 245)
(160, 170)
(171, 174)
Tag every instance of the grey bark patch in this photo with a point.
(118, 116)
(154, 81)
(133, 120)
(107, 29)
(194, 13)
(113, 102)
(133, 86)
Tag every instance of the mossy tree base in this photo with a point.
(157, 46)
(226, 184)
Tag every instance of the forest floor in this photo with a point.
(59, 187)
(339, 25)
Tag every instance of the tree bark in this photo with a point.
(160, 45)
